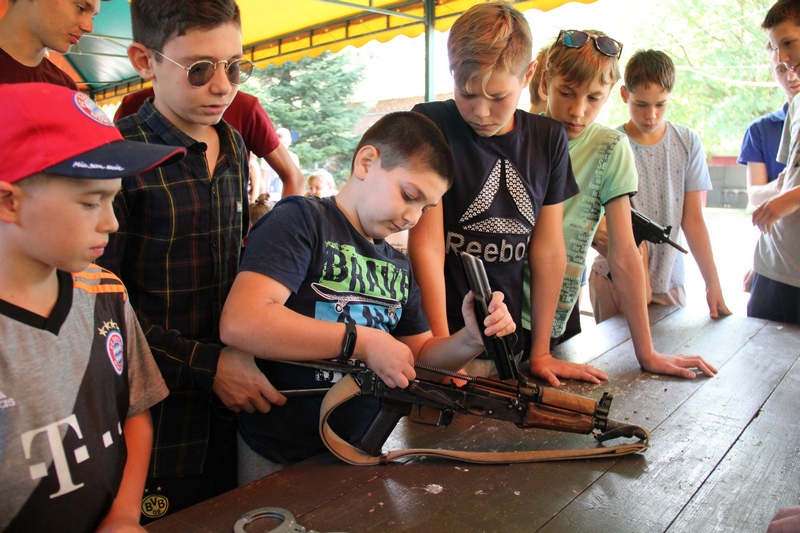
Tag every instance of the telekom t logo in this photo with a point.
(39, 470)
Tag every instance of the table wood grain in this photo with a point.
(724, 455)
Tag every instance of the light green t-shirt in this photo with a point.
(604, 168)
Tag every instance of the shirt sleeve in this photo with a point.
(621, 171)
(697, 177)
(146, 385)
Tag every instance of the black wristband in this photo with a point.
(348, 342)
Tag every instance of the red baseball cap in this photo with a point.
(53, 129)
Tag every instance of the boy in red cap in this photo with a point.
(77, 376)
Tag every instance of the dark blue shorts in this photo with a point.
(773, 300)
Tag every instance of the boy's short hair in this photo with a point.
(410, 140)
(647, 67)
(781, 11)
(581, 65)
(488, 37)
(52, 129)
(536, 80)
(156, 22)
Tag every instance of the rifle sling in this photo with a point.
(347, 388)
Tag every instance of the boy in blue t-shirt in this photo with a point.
(318, 280)
(512, 176)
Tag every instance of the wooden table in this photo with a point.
(724, 456)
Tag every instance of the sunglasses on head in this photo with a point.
(200, 73)
(577, 39)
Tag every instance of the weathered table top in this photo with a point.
(724, 455)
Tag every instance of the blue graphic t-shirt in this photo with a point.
(500, 186)
(335, 275)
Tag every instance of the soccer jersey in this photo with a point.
(68, 382)
(336, 275)
(501, 183)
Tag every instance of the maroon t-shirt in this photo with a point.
(245, 114)
(12, 71)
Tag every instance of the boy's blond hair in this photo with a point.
(649, 67)
(536, 79)
(581, 65)
(486, 38)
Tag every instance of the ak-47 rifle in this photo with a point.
(645, 229)
(511, 398)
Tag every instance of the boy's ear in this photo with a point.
(140, 60)
(9, 202)
(526, 79)
(624, 93)
(365, 158)
(543, 85)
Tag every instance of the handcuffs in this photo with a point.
(289, 524)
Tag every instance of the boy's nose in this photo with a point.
(577, 110)
(87, 23)
(481, 109)
(108, 223)
(220, 84)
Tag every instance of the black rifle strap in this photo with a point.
(347, 388)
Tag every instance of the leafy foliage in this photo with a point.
(313, 98)
(723, 76)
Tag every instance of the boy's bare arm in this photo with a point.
(776, 208)
(547, 257)
(126, 508)
(255, 320)
(694, 226)
(759, 189)
(292, 177)
(627, 271)
(453, 352)
(426, 253)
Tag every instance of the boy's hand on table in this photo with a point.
(241, 385)
(499, 321)
(389, 358)
(716, 303)
(549, 368)
(677, 365)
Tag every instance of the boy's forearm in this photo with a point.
(426, 252)
(126, 508)
(547, 275)
(627, 271)
(294, 182)
(452, 352)
(694, 227)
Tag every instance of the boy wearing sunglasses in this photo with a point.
(512, 176)
(581, 69)
(672, 175)
(179, 244)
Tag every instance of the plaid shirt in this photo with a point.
(177, 251)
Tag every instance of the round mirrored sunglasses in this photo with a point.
(200, 73)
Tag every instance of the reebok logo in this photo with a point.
(513, 244)
(483, 202)
(6, 402)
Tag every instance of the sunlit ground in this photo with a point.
(733, 239)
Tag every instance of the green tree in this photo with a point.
(313, 98)
(723, 77)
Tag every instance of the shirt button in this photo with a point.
(214, 243)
